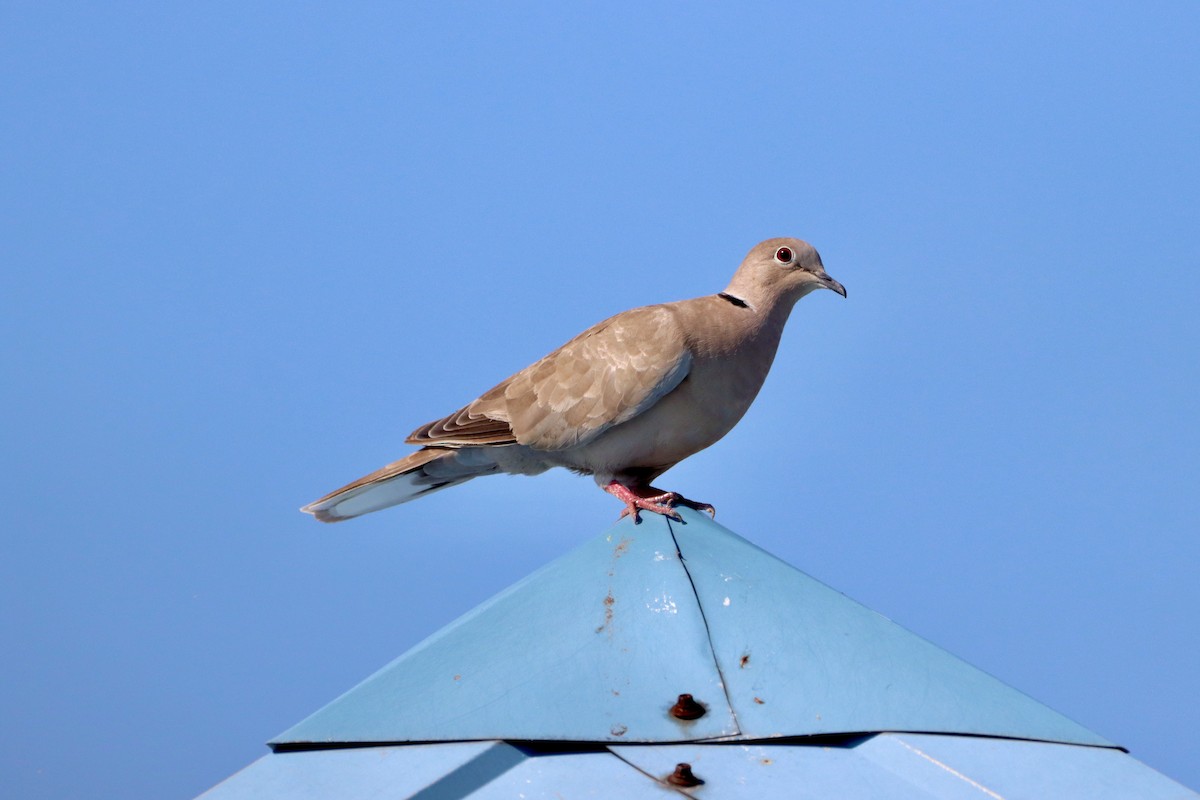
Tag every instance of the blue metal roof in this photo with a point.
(897, 766)
(564, 686)
(598, 646)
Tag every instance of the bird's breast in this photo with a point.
(716, 393)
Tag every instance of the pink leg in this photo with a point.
(650, 499)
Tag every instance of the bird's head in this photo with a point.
(781, 269)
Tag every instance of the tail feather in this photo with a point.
(426, 471)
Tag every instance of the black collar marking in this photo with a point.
(737, 301)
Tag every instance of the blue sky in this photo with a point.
(248, 247)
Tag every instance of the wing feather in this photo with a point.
(606, 375)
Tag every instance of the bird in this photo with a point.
(623, 402)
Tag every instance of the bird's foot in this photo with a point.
(650, 499)
(676, 499)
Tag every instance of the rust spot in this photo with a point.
(683, 776)
(758, 700)
(621, 548)
(686, 707)
(458, 677)
(608, 612)
(744, 661)
(618, 730)
(767, 761)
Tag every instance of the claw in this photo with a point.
(651, 499)
(636, 506)
(692, 504)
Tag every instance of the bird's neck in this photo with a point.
(770, 310)
(746, 325)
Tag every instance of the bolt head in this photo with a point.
(683, 776)
(686, 707)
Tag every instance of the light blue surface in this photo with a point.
(600, 775)
(901, 765)
(478, 770)
(800, 658)
(597, 646)
(1017, 769)
(891, 766)
(383, 772)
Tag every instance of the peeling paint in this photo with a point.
(663, 603)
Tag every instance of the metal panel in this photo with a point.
(799, 658)
(599, 644)
(376, 772)
(1014, 769)
(895, 766)
(596, 646)
(572, 776)
(476, 770)
(912, 767)
(795, 772)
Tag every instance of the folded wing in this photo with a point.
(606, 375)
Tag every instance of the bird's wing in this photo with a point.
(606, 375)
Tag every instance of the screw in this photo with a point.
(682, 776)
(687, 708)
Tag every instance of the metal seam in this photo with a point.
(737, 727)
(652, 777)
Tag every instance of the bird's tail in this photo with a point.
(420, 473)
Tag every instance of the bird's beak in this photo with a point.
(830, 283)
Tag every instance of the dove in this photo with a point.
(624, 401)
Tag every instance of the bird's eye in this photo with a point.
(784, 255)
